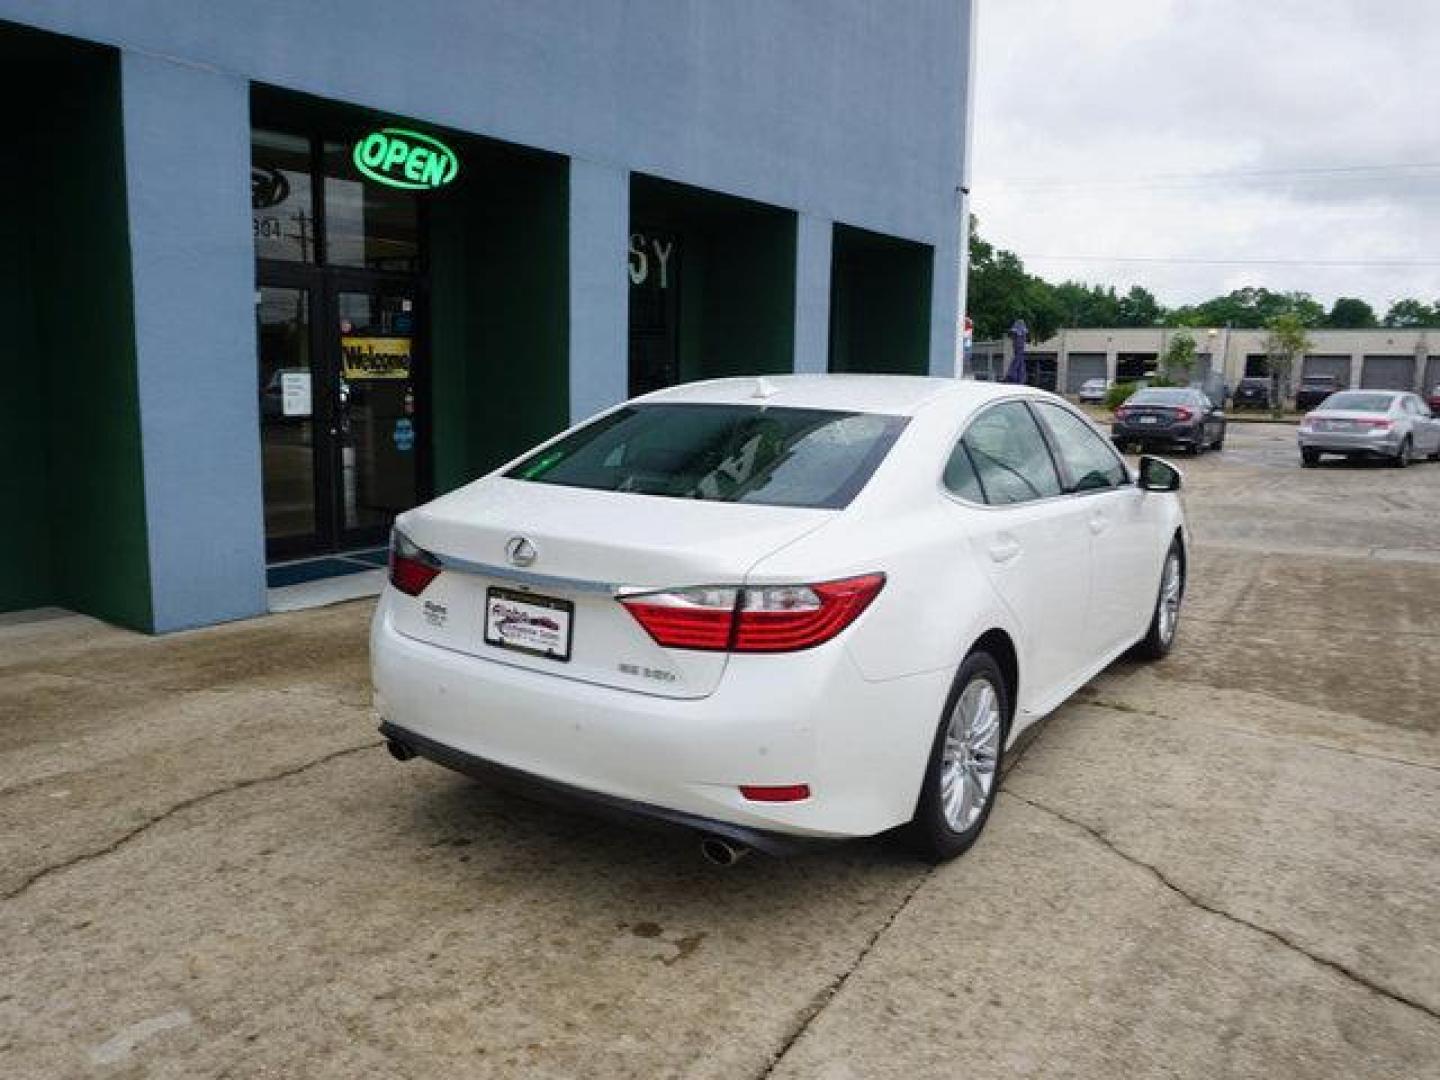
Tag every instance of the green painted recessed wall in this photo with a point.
(69, 421)
(880, 304)
(499, 310)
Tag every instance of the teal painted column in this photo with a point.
(187, 176)
(599, 287)
(814, 238)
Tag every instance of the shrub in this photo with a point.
(1118, 394)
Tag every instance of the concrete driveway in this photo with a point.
(1224, 865)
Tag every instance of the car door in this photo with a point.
(1031, 541)
(1427, 428)
(1126, 557)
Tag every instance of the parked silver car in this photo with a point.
(1388, 424)
(1093, 390)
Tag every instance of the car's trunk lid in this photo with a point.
(586, 544)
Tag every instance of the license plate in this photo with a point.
(1149, 419)
(524, 622)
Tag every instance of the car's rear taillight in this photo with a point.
(1121, 413)
(1376, 425)
(412, 568)
(1183, 414)
(762, 619)
(687, 618)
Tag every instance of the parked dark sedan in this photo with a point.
(1175, 415)
(1314, 389)
(1252, 393)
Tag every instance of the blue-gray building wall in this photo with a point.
(850, 111)
(192, 265)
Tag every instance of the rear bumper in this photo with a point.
(1155, 433)
(625, 811)
(807, 717)
(1344, 442)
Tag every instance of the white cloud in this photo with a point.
(1097, 124)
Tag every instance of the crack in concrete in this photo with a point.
(177, 808)
(828, 992)
(1337, 966)
(1292, 740)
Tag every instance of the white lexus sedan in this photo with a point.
(778, 610)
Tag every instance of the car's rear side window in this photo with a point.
(1089, 458)
(776, 456)
(1009, 455)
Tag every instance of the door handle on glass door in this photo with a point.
(1004, 549)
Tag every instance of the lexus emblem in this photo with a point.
(520, 551)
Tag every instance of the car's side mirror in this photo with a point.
(1158, 475)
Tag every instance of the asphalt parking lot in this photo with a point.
(1224, 865)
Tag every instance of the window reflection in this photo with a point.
(367, 224)
(282, 207)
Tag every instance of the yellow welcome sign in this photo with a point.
(376, 357)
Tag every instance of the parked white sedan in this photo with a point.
(778, 610)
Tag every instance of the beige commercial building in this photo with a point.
(1383, 358)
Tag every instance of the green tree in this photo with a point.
(1139, 307)
(1251, 308)
(1408, 313)
(1178, 358)
(1001, 291)
(1285, 341)
(1350, 313)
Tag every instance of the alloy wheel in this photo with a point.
(970, 754)
(1170, 592)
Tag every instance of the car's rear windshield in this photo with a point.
(1158, 396)
(1357, 401)
(779, 456)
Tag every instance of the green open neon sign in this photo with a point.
(406, 159)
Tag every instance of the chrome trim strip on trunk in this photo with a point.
(525, 577)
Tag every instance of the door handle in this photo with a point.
(1004, 549)
(1098, 524)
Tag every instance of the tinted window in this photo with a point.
(960, 475)
(722, 453)
(1010, 455)
(1359, 401)
(1087, 455)
(1163, 397)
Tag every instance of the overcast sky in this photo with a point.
(1120, 128)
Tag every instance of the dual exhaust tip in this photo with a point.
(715, 850)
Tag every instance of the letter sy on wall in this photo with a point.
(405, 159)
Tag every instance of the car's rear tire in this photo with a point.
(1160, 638)
(1309, 458)
(962, 776)
(1404, 455)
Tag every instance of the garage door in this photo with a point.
(1083, 366)
(1388, 373)
(1336, 365)
(1432, 374)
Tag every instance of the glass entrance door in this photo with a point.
(338, 417)
(288, 425)
(376, 409)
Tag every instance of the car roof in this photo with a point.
(898, 395)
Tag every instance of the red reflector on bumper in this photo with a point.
(783, 793)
